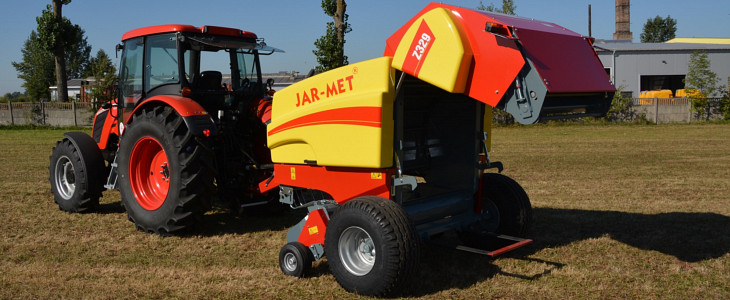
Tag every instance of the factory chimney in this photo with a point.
(623, 21)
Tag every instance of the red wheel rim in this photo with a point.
(149, 173)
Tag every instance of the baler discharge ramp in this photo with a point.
(493, 245)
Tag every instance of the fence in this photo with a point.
(47, 113)
(673, 110)
(657, 110)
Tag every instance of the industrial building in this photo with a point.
(653, 66)
(634, 68)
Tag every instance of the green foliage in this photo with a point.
(659, 30)
(36, 69)
(56, 34)
(330, 50)
(330, 53)
(78, 55)
(621, 109)
(502, 117)
(725, 102)
(104, 72)
(329, 7)
(508, 7)
(14, 97)
(700, 78)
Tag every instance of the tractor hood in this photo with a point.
(532, 69)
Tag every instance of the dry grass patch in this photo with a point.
(620, 212)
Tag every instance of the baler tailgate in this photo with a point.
(532, 69)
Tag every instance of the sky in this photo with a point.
(294, 25)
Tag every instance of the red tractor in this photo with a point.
(383, 154)
(177, 136)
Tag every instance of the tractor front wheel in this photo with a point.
(166, 174)
(371, 245)
(72, 188)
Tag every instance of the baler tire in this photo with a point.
(68, 177)
(512, 204)
(176, 193)
(381, 226)
(295, 259)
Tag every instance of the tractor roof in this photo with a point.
(207, 29)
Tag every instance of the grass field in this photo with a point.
(620, 212)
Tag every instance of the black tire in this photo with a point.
(506, 210)
(295, 259)
(180, 184)
(371, 223)
(71, 186)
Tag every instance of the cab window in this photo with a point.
(131, 71)
(161, 61)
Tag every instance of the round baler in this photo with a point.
(383, 154)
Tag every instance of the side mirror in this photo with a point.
(118, 48)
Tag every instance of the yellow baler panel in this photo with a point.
(436, 50)
(487, 126)
(343, 117)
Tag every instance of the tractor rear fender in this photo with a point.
(90, 156)
(196, 118)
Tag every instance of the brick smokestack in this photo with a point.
(623, 21)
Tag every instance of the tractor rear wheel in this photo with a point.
(165, 173)
(505, 209)
(371, 245)
(71, 186)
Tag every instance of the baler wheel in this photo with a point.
(371, 245)
(506, 210)
(165, 173)
(68, 176)
(295, 259)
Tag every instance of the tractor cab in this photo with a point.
(216, 67)
(205, 82)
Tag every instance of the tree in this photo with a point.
(701, 82)
(659, 30)
(508, 7)
(78, 55)
(330, 50)
(36, 68)
(725, 101)
(105, 74)
(56, 32)
(13, 97)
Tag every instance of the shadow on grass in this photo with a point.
(223, 221)
(109, 208)
(690, 237)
